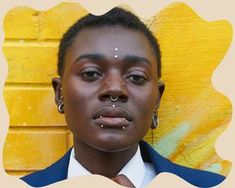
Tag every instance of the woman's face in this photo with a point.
(104, 62)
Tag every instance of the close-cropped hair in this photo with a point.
(116, 16)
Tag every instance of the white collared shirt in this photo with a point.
(139, 172)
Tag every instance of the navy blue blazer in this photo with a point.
(58, 171)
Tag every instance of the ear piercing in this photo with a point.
(60, 107)
(155, 120)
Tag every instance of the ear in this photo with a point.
(57, 85)
(161, 88)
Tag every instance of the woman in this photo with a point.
(109, 91)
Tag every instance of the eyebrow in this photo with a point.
(136, 59)
(94, 57)
(127, 58)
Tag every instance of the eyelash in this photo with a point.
(91, 75)
(137, 78)
(134, 77)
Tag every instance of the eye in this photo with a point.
(137, 77)
(90, 74)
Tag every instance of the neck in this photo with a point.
(100, 162)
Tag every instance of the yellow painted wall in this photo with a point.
(192, 113)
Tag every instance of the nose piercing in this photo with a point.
(113, 99)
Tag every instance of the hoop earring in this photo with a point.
(60, 107)
(155, 121)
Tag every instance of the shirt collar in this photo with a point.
(134, 169)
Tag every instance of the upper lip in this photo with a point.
(112, 112)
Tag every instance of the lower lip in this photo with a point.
(115, 122)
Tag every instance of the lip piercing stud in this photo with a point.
(123, 127)
(113, 99)
(101, 117)
(101, 126)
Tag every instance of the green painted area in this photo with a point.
(216, 167)
(168, 144)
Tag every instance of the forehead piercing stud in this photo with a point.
(116, 56)
(113, 99)
(115, 49)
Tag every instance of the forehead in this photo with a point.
(105, 39)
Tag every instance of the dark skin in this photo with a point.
(91, 75)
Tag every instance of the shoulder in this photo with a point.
(54, 173)
(196, 177)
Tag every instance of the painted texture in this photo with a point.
(192, 114)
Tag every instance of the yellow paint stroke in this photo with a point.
(191, 49)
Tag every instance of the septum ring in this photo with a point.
(113, 99)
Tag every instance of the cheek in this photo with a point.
(144, 99)
(78, 92)
(78, 102)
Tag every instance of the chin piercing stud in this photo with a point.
(113, 105)
(101, 126)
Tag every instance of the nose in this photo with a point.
(113, 87)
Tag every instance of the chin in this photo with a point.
(113, 146)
